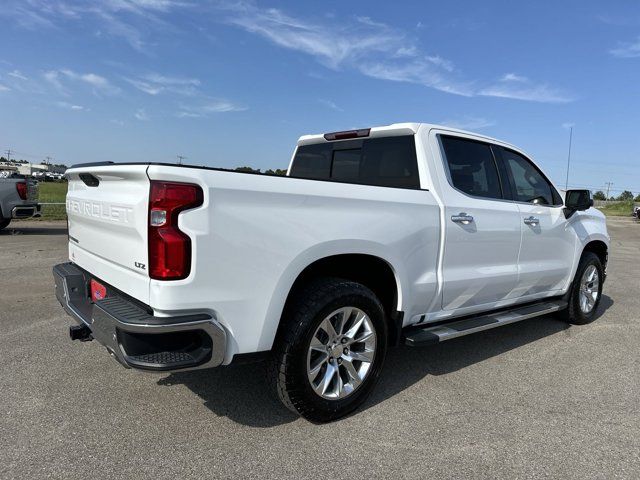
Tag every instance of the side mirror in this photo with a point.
(576, 200)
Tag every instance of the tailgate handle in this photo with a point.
(89, 180)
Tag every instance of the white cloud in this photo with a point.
(521, 88)
(361, 44)
(154, 84)
(468, 122)
(71, 106)
(16, 74)
(4, 88)
(419, 71)
(127, 19)
(568, 125)
(210, 107)
(330, 104)
(141, 114)
(627, 49)
(53, 77)
(99, 84)
(441, 62)
(379, 51)
(512, 77)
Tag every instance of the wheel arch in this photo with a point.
(371, 271)
(365, 266)
(600, 248)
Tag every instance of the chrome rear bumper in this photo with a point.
(132, 335)
(26, 211)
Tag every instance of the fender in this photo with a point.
(589, 225)
(313, 254)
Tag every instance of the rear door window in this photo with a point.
(385, 161)
(472, 167)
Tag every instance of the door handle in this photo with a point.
(531, 220)
(462, 218)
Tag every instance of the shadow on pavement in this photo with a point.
(241, 392)
(406, 366)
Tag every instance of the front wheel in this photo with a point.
(586, 291)
(4, 222)
(330, 349)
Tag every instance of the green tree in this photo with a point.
(599, 195)
(625, 196)
(277, 171)
(637, 199)
(247, 170)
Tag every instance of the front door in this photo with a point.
(548, 241)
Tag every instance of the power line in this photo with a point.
(17, 153)
(608, 184)
(599, 187)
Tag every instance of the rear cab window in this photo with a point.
(383, 161)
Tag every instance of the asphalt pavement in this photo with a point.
(531, 400)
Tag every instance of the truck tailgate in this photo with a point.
(107, 207)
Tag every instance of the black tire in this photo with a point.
(288, 365)
(573, 314)
(4, 222)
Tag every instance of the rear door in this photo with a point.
(548, 241)
(107, 207)
(482, 230)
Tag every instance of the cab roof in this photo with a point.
(393, 130)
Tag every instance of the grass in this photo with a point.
(618, 209)
(53, 192)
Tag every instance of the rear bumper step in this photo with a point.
(132, 336)
(430, 335)
(26, 211)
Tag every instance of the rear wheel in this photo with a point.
(330, 349)
(586, 291)
(4, 222)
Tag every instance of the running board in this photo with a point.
(418, 337)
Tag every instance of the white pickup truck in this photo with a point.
(404, 234)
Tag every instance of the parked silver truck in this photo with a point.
(18, 199)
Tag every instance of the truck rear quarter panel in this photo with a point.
(255, 234)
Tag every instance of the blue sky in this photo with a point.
(230, 83)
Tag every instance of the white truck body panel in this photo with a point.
(108, 225)
(254, 234)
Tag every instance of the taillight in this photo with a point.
(169, 248)
(22, 190)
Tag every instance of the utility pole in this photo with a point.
(608, 184)
(180, 158)
(47, 160)
(566, 183)
(8, 154)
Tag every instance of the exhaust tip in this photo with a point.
(80, 332)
